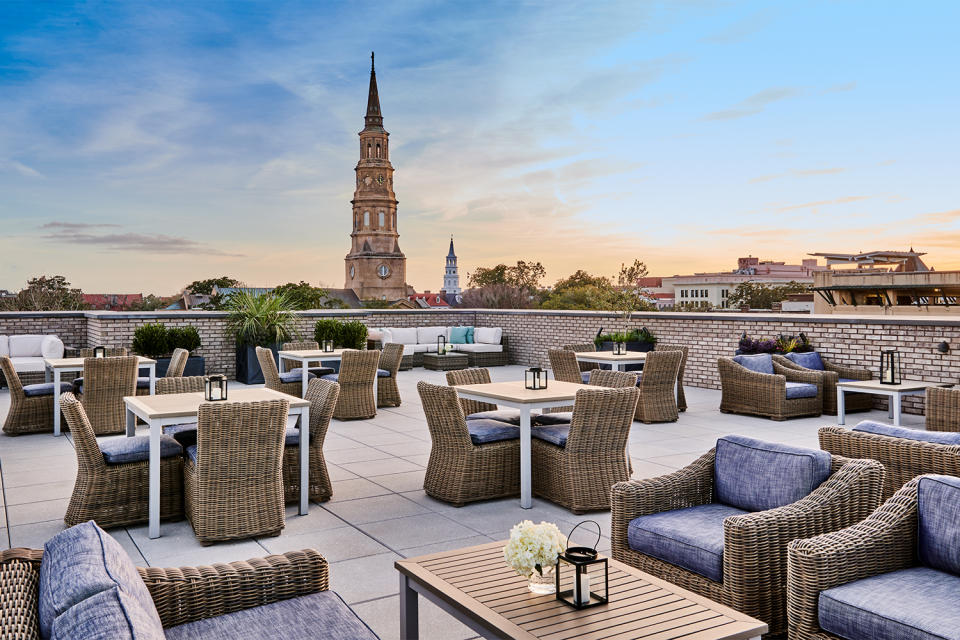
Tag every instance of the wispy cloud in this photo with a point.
(942, 217)
(754, 104)
(839, 88)
(20, 168)
(742, 29)
(822, 203)
(81, 234)
(797, 172)
(75, 226)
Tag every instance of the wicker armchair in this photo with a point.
(612, 379)
(27, 414)
(232, 476)
(593, 457)
(459, 471)
(471, 376)
(755, 544)
(565, 366)
(685, 350)
(271, 376)
(583, 347)
(831, 374)
(388, 393)
(760, 394)
(178, 362)
(183, 384)
(322, 396)
(115, 495)
(358, 371)
(943, 409)
(902, 459)
(106, 381)
(658, 400)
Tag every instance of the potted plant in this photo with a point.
(781, 344)
(345, 335)
(636, 340)
(157, 341)
(264, 320)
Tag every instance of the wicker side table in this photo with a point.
(446, 362)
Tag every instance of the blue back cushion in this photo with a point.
(939, 437)
(810, 360)
(755, 475)
(938, 511)
(108, 615)
(761, 362)
(469, 335)
(458, 335)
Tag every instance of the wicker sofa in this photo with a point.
(831, 374)
(486, 348)
(720, 526)
(27, 352)
(756, 385)
(894, 575)
(278, 596)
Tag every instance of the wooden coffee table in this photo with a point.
(476, 586)
(446, 362)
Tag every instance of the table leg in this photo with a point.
(304, 459)
(131, 424)
(526, 484)
(409, 614)
(895, 406)
(153, 379)
(376, 398)
(154, 527)
(304, 377)
(46, 374)
(56, 401)
(841, 407)
(890, 408)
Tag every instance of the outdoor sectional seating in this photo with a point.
(26, 353)
(84, 586)
(831, 374)
(756, 385)
(484, 346)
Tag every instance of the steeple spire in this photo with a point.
(451, 254)
(373, 119)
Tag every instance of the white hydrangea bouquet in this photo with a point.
(532, 552)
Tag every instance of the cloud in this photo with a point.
(754, 104)
(821, 203)
(75, 226)
(943, 217)
(797, 172)
(79, 234)
(19, 167)
(838, 88)
(741, 29)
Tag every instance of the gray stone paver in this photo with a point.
(379, 511)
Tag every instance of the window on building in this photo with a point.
(369, 150)
(723, 293)
(703, 293)
(366, 218)
(381, 219)
(378, 149)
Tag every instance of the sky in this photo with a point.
(146, 145)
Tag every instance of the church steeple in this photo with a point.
(373, 119)
(451, 254)
(451, 275)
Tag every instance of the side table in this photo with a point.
(445, 362)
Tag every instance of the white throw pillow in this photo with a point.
(429, 335)
(407, 335)
(386, 335)
(374, 334)
(25, 346)
(487, 335)
(51, 347)
(4, 346)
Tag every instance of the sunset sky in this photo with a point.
(143, 146)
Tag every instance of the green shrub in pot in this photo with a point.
(183, 338)
(151, 340)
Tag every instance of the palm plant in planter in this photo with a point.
(264, 320)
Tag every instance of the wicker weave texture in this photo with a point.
(183, 384)
(388, 393)
(755, 544)
(271, 376)
(565, 369)
(322, 396)
(943, 409)
(658, 400)
(115, 495)
(583, 347)
(612, 379)
(358, 370)
(685, 350)
(26, 414)
(459, 471)
(831, 375)
(302, 345)
(235, 488)
(19, 594)
(471, 376)
(106, 381)
(760, 394)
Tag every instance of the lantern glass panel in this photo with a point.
(535, 378)
(441, 344)
(99, 352)
(327, 346)
(889, 366)
(215, 388)
(588, 579)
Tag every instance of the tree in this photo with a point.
(497, 296)
(45, 293)
(579, 297)
(581, 278)
(149, 302)
(757, 295)
(205, 287)
(303, 296)
(525, 275)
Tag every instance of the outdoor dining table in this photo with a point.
(305, 356)
(178, 408)
(617, 362)
(54, 368)
(514, 394)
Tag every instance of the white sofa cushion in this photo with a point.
(406, 335)
(487, 335)
(386, 335)
(26, 346)
(4, 346)
(409, 349)
(26, 365)
(51, 347)
(423, 348)
(429, 335)
(478, 348)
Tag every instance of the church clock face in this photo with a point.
(380, 180)
(383, 271)
(353, 272)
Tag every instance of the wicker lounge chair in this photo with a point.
(358, 370)
(658, 400)
(583, 347)
(232, 476)
(942, 409)
(388, 393)
(31, 406)
(322, 395)
(290, 383)
(315, 367)
(765, 394)
(831, 374)
(747, 548)
(575, 465)
(904, 453)
(888, 564)
(682, 348)
(112, 485)
(178, 362)
(106, 382)
(460, 471)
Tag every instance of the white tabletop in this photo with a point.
(609, 356)
(69, 363)
(905, 385)
(313, 354)
(180, 405)
(516, 391)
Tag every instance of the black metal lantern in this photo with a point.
(619, 348)
(327, 346)
(580, 595)
(215, 388)
(99, 352)
(535, 378)
(889, 366)
(441, 344)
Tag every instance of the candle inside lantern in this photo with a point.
(215, 392)
(584, 596)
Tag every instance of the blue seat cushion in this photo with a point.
(486, 431)
(756, 475)
(510, 416)
(938, 514)
(291, 437)
(108, 615)
(809, 360)
(121, 449)
(585, 377)
(760, 363)
(295, 376)
(143, 383)
(185, 434)
(551, 419)
(191, 453)
(45, 389)
(939, 437)
(690, 538)
(911, 604)
(84, 561)
(847, 380)
(554, 434)
(383, 373)
(801, 390)
(317, 615)
(316, 371)
(332, 377)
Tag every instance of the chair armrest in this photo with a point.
(187, 594)
(884, 542)
(842, 371)
(687, 487)
(943, 409)
(759, 383)
(19, 596)
(799, 375)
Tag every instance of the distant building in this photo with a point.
(111, 301)
(657, 294)
(451, 275)
(427, 300)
